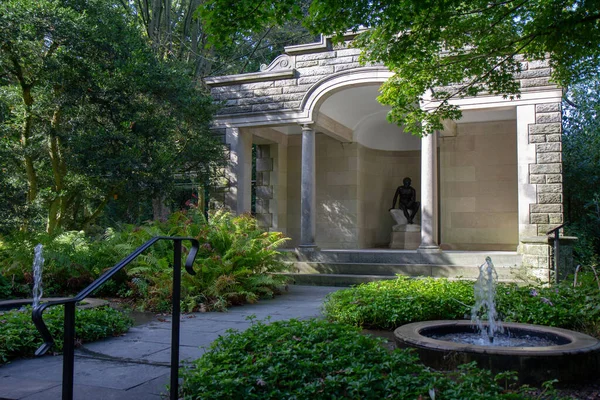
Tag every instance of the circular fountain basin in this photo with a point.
(572, 357)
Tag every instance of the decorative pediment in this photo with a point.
(282, 62)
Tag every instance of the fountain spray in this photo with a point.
(485, 304)
(38, 263)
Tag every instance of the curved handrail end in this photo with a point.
(189, 261)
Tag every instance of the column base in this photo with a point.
(433, 248)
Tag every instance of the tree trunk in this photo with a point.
(57, 209)
(32, 190)
(160, 210)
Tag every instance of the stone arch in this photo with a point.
(321, 90)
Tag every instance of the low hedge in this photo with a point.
(315, 359)
(20, 338)
(389, 304)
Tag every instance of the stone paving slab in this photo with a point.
(16, 388)
(156, 386)
(136, 365)
(102, 373)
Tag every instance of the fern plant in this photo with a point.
(237, 262)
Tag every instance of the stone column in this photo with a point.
(429, 201)
(308, 190)
(239, 171)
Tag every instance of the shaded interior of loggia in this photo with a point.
(356, 180)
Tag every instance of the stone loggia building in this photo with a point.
(328, 164)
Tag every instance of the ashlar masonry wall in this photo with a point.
(282, 84)
(546, 173)
(478, 187)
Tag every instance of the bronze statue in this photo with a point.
(407, 196)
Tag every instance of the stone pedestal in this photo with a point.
(404, 236)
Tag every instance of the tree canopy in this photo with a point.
(180, 30)
(581, 158)
(476, 45)
(453, 48)
(89, 113)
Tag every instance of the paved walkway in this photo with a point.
(136, 365)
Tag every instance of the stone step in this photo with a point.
(387, 256)
(391, 270)
(335, 279)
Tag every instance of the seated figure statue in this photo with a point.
(406, 196)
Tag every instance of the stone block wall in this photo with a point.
(298, 70)
(380, 173)
(336, 193)
(256, 94)
(478, 187)
(546, 173)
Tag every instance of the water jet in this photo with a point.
(537, 353)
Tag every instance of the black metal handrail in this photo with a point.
(69, 322)
(556, 232)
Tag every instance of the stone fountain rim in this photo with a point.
(578, 342)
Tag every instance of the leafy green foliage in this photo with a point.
(259, 32)
(72, 260)
(389, 304)
(237, 261)
(90, 113)
(19, 337)
(5, 288)
(318, 360)
(581, 158)
(457, 48)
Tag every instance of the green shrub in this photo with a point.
(5, 288)
(72, 261)
(237, 262)
(20, 338)
(559, 305)
(318, 360)
(389, 304)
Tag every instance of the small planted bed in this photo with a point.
(316, 359)
(20, 338)
(388, 304)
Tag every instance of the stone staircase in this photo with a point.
(350, 267)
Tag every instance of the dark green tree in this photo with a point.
(453, 48)
(461, 48)
(90, 113)
(581, 157)
(177, 31)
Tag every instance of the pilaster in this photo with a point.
(239, 170)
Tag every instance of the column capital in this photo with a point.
(307, 127)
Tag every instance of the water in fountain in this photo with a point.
(485, 302)
(489, 331)
(38, 263)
